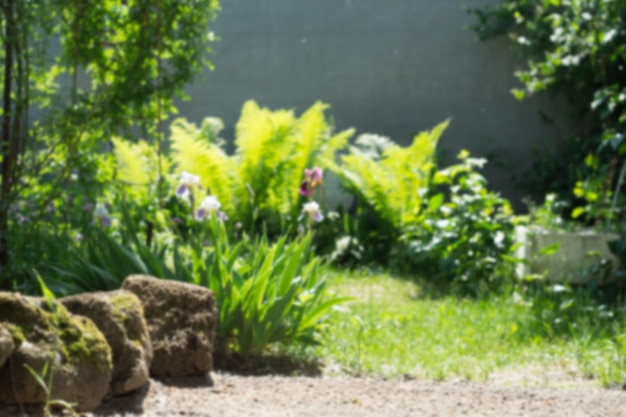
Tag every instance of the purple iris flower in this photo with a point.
(312, 209)
(186, 183)
(209, 205)
(312, 178)
(101, 215)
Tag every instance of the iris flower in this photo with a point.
(312, 209)
(186, 183)
(101, 215)
(312, 178)
(209, 206)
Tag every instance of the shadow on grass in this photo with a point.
(268, 364)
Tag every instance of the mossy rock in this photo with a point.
(78, 354)
(119, 316)
(181, 320)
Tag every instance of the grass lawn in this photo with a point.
(393, 329)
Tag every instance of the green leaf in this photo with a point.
(435, 202)
(315, 315)
(518, 94)
(549, 250)
(39, 378)
(577, 212)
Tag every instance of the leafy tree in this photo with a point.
(121, 65)
(575, 49)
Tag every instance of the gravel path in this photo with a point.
(229, 395)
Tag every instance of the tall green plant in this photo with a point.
(266, 293)
(392, 185)
(389, 182)
(262, 178)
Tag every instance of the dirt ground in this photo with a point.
(228, 395)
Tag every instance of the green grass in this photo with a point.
(392, 330)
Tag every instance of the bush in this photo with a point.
(444, 224)
(465, 237)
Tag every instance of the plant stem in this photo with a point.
(7, 161)
(159, 121)
(617, 189)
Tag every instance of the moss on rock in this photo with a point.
(119, 316)
(47, 332)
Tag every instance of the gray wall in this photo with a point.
(392, 67)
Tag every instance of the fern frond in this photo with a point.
(192, 152)
(264, 146)
(391, 185)
(138, 169)
(131, 163)
(337, 143)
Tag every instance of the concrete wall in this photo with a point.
(392, 67)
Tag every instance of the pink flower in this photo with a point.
(312, 179)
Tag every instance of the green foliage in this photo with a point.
(390, 186)
(444, 223)
(200, 151)
(559, 309)
(389, 182)
(138, 170)
(397, 328)
(133, 60)
(466, 234)
(577, 50)
(261, 180)
(549, 215)
(266, 293)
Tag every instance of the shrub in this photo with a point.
(266, 293)
(444, 224)
(135, 56)
(465, 236)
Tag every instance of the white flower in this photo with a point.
(208, 206)
(313, 210)
(186, 183)
(101, 215)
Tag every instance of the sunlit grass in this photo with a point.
(392, 330)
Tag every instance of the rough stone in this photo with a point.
(119, 316)
(46, 333)
(181, 319)
(6, 344)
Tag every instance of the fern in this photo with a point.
(314, 146)
(272, 150)
(391, 185)
(197, 151)
(138, 168)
